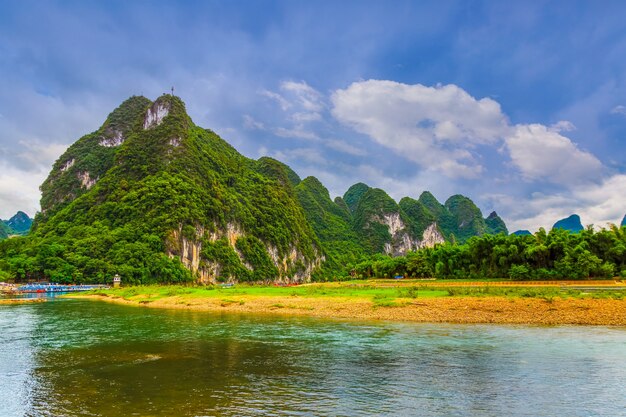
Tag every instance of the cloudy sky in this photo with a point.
(519, 105)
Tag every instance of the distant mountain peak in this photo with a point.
(495, 224)
(624, 221)
(571, 223)
(20, 222)
(523, 232)
(354, 195)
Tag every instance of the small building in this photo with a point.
(117, 280)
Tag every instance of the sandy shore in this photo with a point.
(434, 310)
(21, 300)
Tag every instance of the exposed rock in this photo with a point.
(68, 165)
(431, 237)
(116, 139)
(85, 180)
(189, 253)
(393, 222)
(402, 242)
(155, 114)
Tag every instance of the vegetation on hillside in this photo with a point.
(554, 255)
(495, 225)
(332, 225)
(172, 177)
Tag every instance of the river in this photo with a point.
(86, 358)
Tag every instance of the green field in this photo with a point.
(380, 293)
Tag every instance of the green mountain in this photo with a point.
(20, 223)
(421, 218)
(624, 221)
(332, 223)
(342, 204)
(90, 157)
(468, 218)
(495, 224)
(522, 233)
(571, 223)
(432, 204)
(354, 195)
(446, 222)
(384, 226)
(155, 198)
(5, 231)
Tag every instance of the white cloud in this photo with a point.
(19, 190)
(544, 154)
(563, 126)
(440, 128)
(603, 203)
(345, 147)
(303, 117)
(435, 127)
(282, 102)
(40, 156)
(307, 155)
(306, 96)
(620, 109)
(298, 133)
(250, 123)
(597, 204)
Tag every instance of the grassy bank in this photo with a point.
(385, 300)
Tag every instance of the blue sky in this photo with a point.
(519, 105)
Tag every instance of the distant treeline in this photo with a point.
(558, 254)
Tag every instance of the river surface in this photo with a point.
(85, 358)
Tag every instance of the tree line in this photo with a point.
(557, 254)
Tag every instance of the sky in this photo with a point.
(519, 105)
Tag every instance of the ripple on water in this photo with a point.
(76, 358)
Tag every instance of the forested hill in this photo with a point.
(153, 197)
(18, 224)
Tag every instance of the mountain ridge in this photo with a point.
(151, 195)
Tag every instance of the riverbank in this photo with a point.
(545, 306)
(10, 301)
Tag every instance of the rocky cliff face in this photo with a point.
(189, 252)
(402, 241)
(391, 228)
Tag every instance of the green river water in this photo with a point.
(86, 358)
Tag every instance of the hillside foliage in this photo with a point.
(558, 254)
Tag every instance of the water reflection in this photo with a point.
(76, 358)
